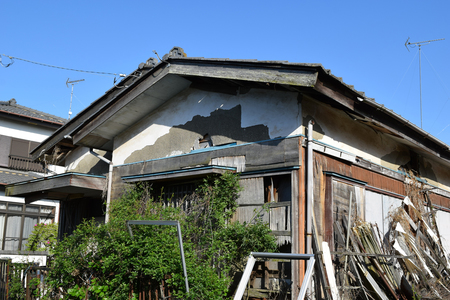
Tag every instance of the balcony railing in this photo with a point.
(24, 164)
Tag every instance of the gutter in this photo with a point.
(108, 194)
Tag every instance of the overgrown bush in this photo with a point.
(43, 237)
(105, 262)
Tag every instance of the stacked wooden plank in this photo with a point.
(409, 262)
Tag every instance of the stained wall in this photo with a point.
(179, 126)
(338, 129)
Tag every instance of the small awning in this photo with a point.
(179, 174)
(65, 186)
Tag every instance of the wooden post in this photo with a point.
(301, 211)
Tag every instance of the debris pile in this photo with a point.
(408, 262)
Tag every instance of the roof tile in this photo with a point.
(11, 107)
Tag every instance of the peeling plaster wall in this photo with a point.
(336, 128)
(176, 127)
(436, 173)
(81, 161)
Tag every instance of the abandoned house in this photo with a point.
(302, 140)
(22, 130)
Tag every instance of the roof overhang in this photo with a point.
(65, 186)
(126, 111)
(146, 89)
(168, 82)
(140, 95)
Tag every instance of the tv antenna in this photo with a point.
(73, 82)
(420, 44)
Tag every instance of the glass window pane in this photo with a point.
(34, 209)
(15, 207)
(46, 210)
(28, 226)
(12, 235)
(2, 205)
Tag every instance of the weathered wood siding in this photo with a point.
(261, 156)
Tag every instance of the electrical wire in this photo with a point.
(51, 66)
(395, 91)
(443, 87)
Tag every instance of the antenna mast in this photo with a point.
(73, 82)
(420, 44)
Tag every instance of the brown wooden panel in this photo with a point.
(372, 178)
(361, 174)
(436, 199)
(440, 200)
(328, 208)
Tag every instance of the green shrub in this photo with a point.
(106, 262)
(43, 237)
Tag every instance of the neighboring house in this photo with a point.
(173, 122)
(21, 130)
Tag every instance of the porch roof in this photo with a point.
(66, 186)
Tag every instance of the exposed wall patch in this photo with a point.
(222, 127)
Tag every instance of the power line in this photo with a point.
(12, 58)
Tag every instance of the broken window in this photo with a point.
(277, 188)
(174, 193)
(203, 142)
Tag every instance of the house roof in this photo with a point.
(13, 109)
(155, 82)
(8, 176)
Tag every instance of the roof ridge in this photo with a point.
(33, 113)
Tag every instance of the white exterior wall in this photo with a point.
(443, 222)
(25, 131)
(278, 111)
(344, 133)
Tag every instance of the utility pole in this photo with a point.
(71, 94)
(420, 44)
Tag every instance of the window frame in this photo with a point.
(23, 214)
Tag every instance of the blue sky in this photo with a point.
(360, 41)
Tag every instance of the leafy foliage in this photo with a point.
(43, 237)
(107, 263)
(16, 288)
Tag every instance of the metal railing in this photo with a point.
(24, 164)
